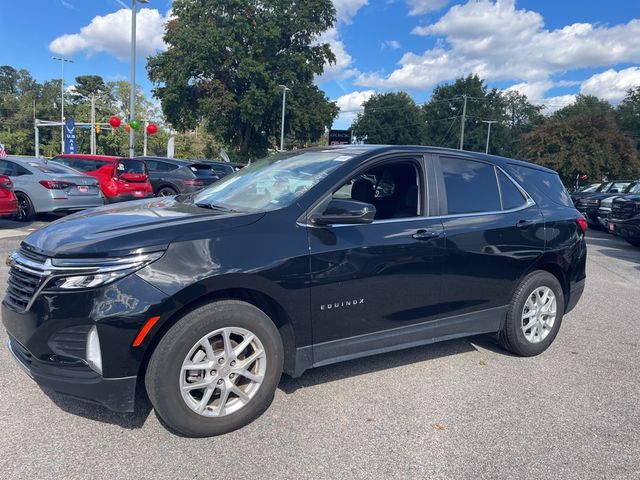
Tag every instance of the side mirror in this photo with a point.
(345, 212)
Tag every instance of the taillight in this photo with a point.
(55, 185)
(5, 182)
(194, 183)
(582, 223)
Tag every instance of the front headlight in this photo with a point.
(80, 273)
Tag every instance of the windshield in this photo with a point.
(634, 189)
(604, 187)
(272, 183)
(618, 187)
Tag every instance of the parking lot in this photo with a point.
(459, 409)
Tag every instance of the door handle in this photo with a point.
(524, 224)
(426, 234)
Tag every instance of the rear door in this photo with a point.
(494, 233)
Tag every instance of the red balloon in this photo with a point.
(114, 122)
(152, 129)
(127, 128)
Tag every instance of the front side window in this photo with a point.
(393, 188)
(272, 183)
(471, 187)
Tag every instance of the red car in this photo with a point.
(8, 202)
(120, 178)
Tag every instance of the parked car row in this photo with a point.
(613, 207)
(74, 182)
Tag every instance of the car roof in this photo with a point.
(107, 158)
(379, 149)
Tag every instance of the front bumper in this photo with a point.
(628, 229)
(77, 380)
(49, 339)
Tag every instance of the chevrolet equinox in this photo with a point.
(300, 260)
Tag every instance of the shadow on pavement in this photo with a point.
(386, 361)
(614, 247)
(102, 414)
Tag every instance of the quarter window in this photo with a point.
(511, 195)
(471, 186)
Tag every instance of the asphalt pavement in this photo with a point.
(459, 409)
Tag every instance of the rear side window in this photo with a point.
(511, 195)
(471, 186)
(130, 166)
(158, 166)
(543, 186)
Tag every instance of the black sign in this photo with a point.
(339, 137)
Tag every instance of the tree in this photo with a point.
(628, 115)
(587, 105)
(89, 85)
(390, 118)
(226, 60)
(589, 144)
(521, 116)
(443, 114)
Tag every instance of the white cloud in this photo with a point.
(112, 33)
(347, 9)
(420, 7)
(67, 4)
(612, 85)
(499, 42)
(342, 67)
(351, 104)
(392, 44)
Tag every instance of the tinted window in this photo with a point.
(130, 166)
(543, 186)
(20, 170)
(6, 168)
(471, 186)
(511, 195)
(159, 166)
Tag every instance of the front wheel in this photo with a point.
(216, 370)
(534, 315)
(166, 192)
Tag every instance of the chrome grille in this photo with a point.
(622, 210)
(27, 273)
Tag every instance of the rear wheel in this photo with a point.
(166, 192)
(534, 315)
(26, 210)
(216, 370)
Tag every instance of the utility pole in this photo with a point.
(62, 61)
(132, 100)
(146, 125)
(464, 119)
(488, 122)
(284, 102)
(93, 124)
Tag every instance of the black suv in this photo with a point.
(589, 203)
(303, 259)
(625, 217)
(169, 176)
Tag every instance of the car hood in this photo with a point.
(131, 227)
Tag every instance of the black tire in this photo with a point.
(163, 372)
(26, 210)
(635, 243)
(511, 336)
(167, 192)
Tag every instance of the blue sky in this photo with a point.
(549, 50)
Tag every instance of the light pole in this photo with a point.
(488, 122)
(284, 102)
(132, 93)
(62, 61)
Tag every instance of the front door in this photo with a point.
(377, 285)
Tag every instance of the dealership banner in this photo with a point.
(70, 145)
(339, 137)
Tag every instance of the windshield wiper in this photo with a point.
(217, 208)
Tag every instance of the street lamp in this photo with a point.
(488, 122)
(62, 62)
(284, 102)
(132, 93)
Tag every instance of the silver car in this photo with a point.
(43, 187)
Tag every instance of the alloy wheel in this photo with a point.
(222, 372)
(539, 314)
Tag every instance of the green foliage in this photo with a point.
(587, 105)
(225, 63)
(583, 143)
(390, 119)
(628, 115)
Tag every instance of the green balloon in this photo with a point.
(135, 124)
